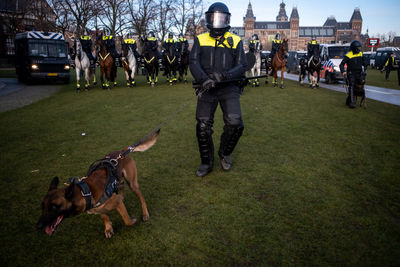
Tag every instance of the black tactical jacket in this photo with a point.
(224, 55)
(355, 62)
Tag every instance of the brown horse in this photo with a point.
(279, 62)
(106, 61)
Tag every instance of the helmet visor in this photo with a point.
(218, 20)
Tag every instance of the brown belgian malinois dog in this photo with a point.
(60, 203)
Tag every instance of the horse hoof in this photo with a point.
(78, 90)
(282, 86)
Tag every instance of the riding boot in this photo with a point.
(206, 149)
(229, 139)
(160, 65)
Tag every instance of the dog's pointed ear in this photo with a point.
(54, 183)
(69, 192)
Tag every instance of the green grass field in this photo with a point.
(313, 182)
(376, 78)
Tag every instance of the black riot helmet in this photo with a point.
(355, 46)
(255, 36)
(151, 35)
(170, 35)
(278, 36)
(218, 19)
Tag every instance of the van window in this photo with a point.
(378, 54)
(47, 49)
(337, 51)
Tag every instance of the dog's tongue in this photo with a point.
(51, 228)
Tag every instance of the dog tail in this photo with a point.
(147, 143)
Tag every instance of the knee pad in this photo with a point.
(234, 120)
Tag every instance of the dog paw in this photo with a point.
(109, 233)
(145, 217)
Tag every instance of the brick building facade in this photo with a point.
(298, 36)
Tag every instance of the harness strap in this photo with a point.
(171, 61)
(104, 58)
(85, 190)
(148, 61)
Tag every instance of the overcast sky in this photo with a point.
(378, 16)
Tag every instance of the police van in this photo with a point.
(41, 55)
(382, 55)
(332, 55)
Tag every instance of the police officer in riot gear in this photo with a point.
(276, 43)
(182, 46)
(253, 43)
(217, 56)
(131, 43)
(355, 71)
(86, 41)
(312, 46)
(109, 41)
(151, 43)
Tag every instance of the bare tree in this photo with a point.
(141, 13)
(81, 11)
(195, 18)
(164, 18)
(113, 15)
(187, 11)
(43, 14)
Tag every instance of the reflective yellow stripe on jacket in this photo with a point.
(387, 61)
(206, 40)
(182, 39)
(86, 38)
(352, 55)
(170, 41)
(276, 41)
(107, 37)
(129, 41)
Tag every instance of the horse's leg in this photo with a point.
(133, 74)
(318, 73)
(87, 78)
(282, 75)
(78, 74)
(102, 74)
(114, 70)
(127, 75)
(108, 77)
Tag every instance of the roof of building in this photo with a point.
(295, 14)
(271, 25)
(330, 22)
(343, 26)
(356, 15)
(249, 13)
(282, 13)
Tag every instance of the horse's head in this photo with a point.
(284, 47)
(99, 43)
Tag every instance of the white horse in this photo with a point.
(82, 63)
(256, 70)
(129, 62)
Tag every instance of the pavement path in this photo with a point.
(390, 96)
(14, 95)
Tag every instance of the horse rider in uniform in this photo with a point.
(151, 43)
(276, 44)
(86, 42)
(311, 46)
(216, 56)
(182, 46)
(167, 44)
(131, 43)
(355, 71)
(252, 49)
(109, 41)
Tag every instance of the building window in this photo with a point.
(10, 46)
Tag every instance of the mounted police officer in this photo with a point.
(182, 46)
(86, 41)
(131, 43)
(151, 43)
(312, 46)
(276, 44)
(253, 43)
(109, 41)
(355, 72)
(216, 56)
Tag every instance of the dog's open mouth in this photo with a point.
(51, 228)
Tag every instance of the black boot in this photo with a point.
(206, 149)
(351, 100)
(229, 139)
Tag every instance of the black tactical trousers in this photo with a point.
(229, 100)
(353, 79)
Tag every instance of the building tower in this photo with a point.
(248, 22)
(282, 13)
(294, 29)
(356, 24)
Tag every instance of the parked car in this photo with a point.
(382, 54)
(292, 62)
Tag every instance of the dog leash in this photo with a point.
(156, 129)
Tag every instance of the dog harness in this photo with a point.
(110, 187)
